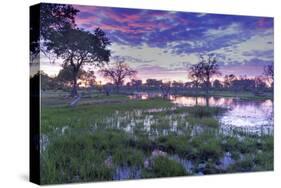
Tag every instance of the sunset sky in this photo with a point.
(161, 44)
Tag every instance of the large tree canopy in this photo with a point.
(45, 19)
(78, 47)
(65, 75)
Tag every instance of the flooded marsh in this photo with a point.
(154, 137)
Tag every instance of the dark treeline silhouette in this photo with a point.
(122, 80)
(228, 83)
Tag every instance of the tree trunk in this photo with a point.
(117, 87)
(207, 100)
(74, 92)
(208, 85)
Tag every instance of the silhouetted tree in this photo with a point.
(46, 19)
(260, 83)
(188, 84)
(203, 71)
(177, 86)
(217, 84)
(107, 88)
(89, 78)
(209, 67)
(47, 82)
(153, 83)
(195, 74)
(165, 89)
(78, 47)
(228, 79)
(118, 72)
(243, 84)
(65, 75)
(269, 72)
(136, 84)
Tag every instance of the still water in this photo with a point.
(255, 116)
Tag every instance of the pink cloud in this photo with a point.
(88, 20)
(129, 23)
(122, 17)
(84, 8)
(262, 23)
(124, 29)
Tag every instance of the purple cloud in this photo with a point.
(180, 33)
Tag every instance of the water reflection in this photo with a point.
(254, 116)
(248, 114)
(145, 95)
(201, 101)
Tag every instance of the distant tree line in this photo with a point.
(117, 76)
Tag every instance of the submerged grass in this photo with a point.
(83, 147)
(83, 115)
(85, 156)
(204, 111)
(205, 121)
(164, 167)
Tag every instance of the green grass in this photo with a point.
(200, 111)
(75, 157)
(175, 144)
(207, 146)
(128, 156)
(83, 115)
(79, 153)
(164, 167)
(205, 121)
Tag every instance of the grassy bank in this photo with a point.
(239, 94)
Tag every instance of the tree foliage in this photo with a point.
(268, 71)
(228, 79)
(78, 47)
(46, 19)
(65, 75)
(165, 89)
(209, 68)
(195, 74)
(118, 72)
(153, 83)
(203, 71)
